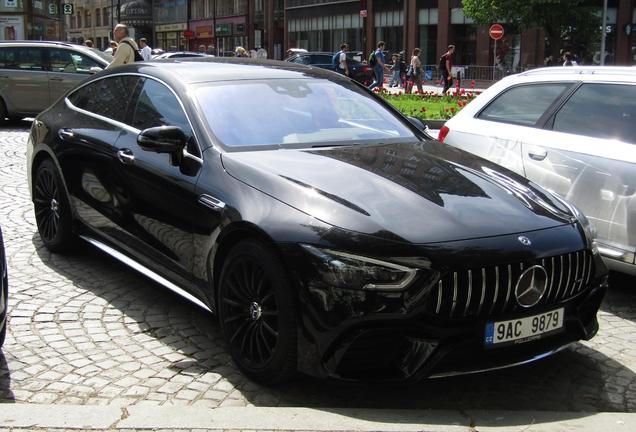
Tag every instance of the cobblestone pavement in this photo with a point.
(87, 330)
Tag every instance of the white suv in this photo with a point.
(571, 130)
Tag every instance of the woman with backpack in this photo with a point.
(414, 73)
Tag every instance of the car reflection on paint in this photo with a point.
(4, 291)
(327, 231)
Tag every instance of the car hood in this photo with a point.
(425, 192)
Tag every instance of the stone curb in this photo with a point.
(189, 418)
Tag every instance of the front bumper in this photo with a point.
(436, 327)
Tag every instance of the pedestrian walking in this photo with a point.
(146, 51)
(569, 60)
(126, 47)
(446, 66)
(112, 46)
(342, 67)
(397, 67)
(550, 61)
(379, 67)
(414, 74)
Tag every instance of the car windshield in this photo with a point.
(103, 56)
(296, 113)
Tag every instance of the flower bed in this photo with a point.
(429, 105)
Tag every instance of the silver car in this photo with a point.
(571, 130)
(34, 74)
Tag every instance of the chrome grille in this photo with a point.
(489, 291)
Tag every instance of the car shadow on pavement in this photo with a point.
(621, 298)
(133, 340)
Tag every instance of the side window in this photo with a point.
(114, 96)
(321, 59)
(157, 106)
(85, 97)
(63, 60)
(537, 99)
(606, 111)
(22, 58)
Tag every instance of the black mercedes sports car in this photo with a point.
(326, 230)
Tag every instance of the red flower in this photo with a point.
(447, 109)
(452, 109)
(459, 103)
(423, 109)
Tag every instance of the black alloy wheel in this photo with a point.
(52, 209)
(257, 311)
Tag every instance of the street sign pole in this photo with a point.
(494, 61)
(496, 32)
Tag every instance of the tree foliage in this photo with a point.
(575, 20)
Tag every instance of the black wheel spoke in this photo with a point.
(243, 316)
(233, 303)
(269, 329)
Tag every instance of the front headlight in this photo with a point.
(588, 227)
(350, 271)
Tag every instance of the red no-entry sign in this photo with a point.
(496, 31)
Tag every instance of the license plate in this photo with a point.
(502, 333)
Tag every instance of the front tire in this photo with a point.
(258, 314)
(52, 209)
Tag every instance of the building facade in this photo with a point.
(30, 19)
(219, 26)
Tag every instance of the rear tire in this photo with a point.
(258, 314)
(52, 209)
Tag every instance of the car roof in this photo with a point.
(579, 73)
(190, 70)
(92, 52)
(322, 53)
(44, 43)
(183, 52)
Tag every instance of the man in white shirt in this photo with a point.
(146, 51)
(342, 64)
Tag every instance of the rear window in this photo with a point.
(606, 111)
(536, 101)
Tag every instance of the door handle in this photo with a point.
(56, 79)
(537, 154)
(65, 133)
(126, 156)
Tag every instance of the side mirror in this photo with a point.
(419, 123)
(95, 69)
(164, 139)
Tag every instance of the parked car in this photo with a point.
(329, 234)
(181, 54)
(571, 130)
(360, 72)
(34, 74)
(4, 292)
